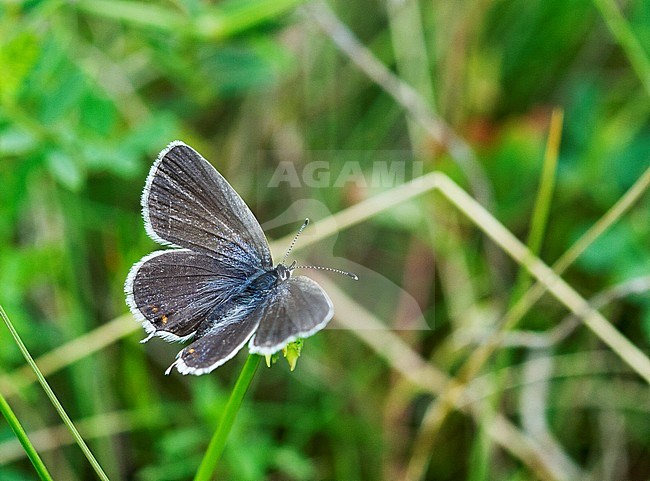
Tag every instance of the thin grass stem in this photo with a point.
(102, 425)
(218, 441)
(427, 377)
(20, 433)
(69, 353)
(623, 205)
(543, 200)
(404, 95)
(53, 399)
(624, 35)
(559, 288)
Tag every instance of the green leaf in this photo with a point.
(65, 170)
(97, 115)
(139, 13)
(231, 17)
(64, 96)
(17, 58)
(16, 141)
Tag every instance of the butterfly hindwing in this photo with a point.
(172, 292)
(296, 308)
(220, 342)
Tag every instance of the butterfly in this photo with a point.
(217, 285)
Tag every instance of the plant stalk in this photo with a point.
(20, 433)
(218, 441)
(53, 399)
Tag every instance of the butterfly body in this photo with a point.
(264, 281)
(217, 285)
(245, 298)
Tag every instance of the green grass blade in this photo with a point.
(230, 18)
(20, 433)
(53, 399)
(547, 183)
(624, 35)
(218, 441)
(225, 20)
(543, 200)
(138, 13)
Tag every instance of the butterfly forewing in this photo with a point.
(187, 203)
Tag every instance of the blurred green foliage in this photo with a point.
(91, 91)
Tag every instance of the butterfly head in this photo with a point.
(283, 272)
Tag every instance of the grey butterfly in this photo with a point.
(217, 285)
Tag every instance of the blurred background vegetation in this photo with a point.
(91, 91)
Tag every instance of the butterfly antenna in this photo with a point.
(331, 269)
(293, 242)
